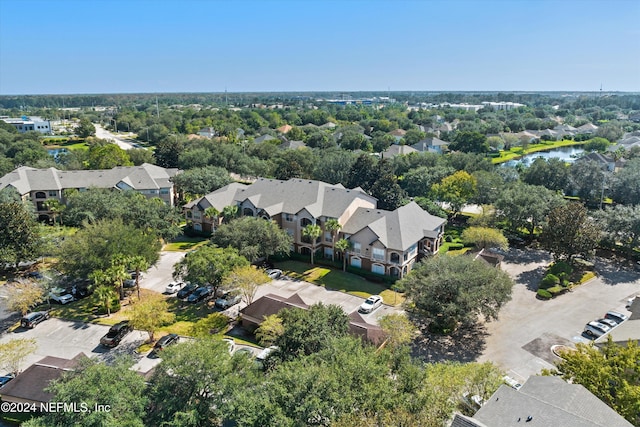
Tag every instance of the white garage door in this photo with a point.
(377, 268)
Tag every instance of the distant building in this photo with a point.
(40, 185)
(28, 124)
(207, 132)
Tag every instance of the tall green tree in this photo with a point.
(14, 352)
(586, 180)
(201, 181)
(620, 225)
(470, 142)
(343, 246)
(85, 128)
(457, 190)
(485, 237)
(552, 174)
(611, 373)
(19, 235)
(524, 206)
(312, 232)
(309, 331)
(150, 314)
(107, 157)
(570, 231)
(120, 390)
(209, 265)
(332, 226)
(449, 290)
(386, 189)
(95, 247)
(253, 237)
(624, 184)
(196, 384)
(21, 297)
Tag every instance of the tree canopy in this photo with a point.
(202, 180)
(19, 235)
(449, 290)
(570, 231)
(97, 245)
(253, 237)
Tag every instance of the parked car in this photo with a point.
(228, 300)
(596, 329)
(200, 294)
(165, 342)
(274, 273)
(32, 319)
(262, 356)
(511, 382)
(370, 304)
(616, 316)
(116, 333)
(231, 344)
(5, 379)
(60, 295)
(610, 323)
(187, 290)
(173, 287)
(130, 283)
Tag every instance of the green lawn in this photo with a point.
(184, 244)
(339, 280)
(517, 152)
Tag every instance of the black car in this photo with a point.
(163, 343)
(116, 333)
(5, 379)
(32, 319)
(200, 294)
(186, 291)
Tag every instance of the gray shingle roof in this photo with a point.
(143, 177)
(549, 401)
(397, 229)
(292, 196)
(425, 144)
(395, 150)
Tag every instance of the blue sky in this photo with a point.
(117, 46)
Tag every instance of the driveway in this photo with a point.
(158, 276)
(520, 340)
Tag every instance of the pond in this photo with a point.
(55, 151)
(567, 154)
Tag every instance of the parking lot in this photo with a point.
(65, 339)
(520, 340)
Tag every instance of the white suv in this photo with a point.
(596, 329)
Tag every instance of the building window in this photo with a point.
(247, 212)
(196, 215)
(41, 195)
(189, 215)
(164, 191)
(288, 217)
(377, 268)
(53, 193)
(290, 232)
(305, 221)
(40, 206)
(395, 258)
(413, 250)
(356, 247)
(378, 254)
(327, 236)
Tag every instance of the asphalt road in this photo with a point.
(102, 133)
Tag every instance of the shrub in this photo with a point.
(559, 268)
(583, 263)
(448, 239)
(543, 293)
(555, 290)
(548, 281)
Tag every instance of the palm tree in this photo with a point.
(117, 273)
(138, 263)
(312, 231)
(343, 245)
(55, 207)
(229, 212)
(212, 213)
(332, 226)
(105, 295)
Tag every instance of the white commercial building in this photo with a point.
(27, 124)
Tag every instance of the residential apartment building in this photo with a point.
(383, 242)
(27, 124)
(40, 185)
